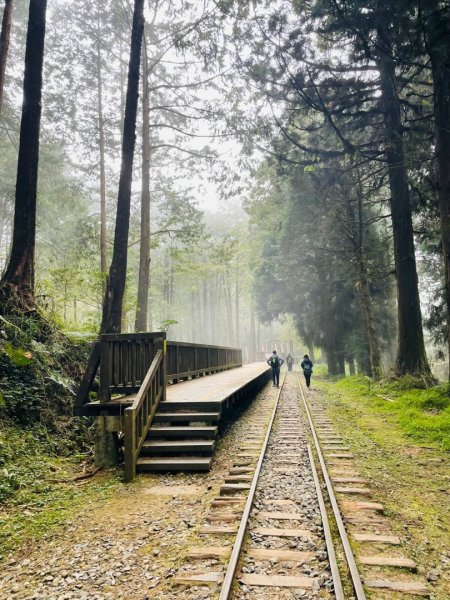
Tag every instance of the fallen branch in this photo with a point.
(87, 475)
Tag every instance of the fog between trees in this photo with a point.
(322, 128)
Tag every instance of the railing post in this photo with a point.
(130, 444)
(163, 369)
(105, 371)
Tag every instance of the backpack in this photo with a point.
(274, 362)
(307, 369)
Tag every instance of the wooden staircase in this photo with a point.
(181, 437)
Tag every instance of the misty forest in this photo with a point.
(185, 188)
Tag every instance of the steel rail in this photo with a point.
(337, 583)
(234, 558)
(356, 579)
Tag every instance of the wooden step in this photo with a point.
(179, 447)
(185, 416)
(177, 463)
(209, 432)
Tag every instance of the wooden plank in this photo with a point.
(234, 487)
(202, 578)
(276, 580)
(283, 532)
(410, 587)
(205, 552)
(220, 517)
(373, 537)
(279, 554)
(349, 480)
(363, 506)
(241, 477)
(388, 561)
(279, 515)
(218, 530)
(339, 455)
(350, 490)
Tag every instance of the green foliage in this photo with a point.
(37, 369)
(17, 356)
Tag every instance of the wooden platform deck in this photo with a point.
(215, 388)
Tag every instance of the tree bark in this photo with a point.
(4, 44)
(439, 51)
(351, 365)
(411, 356)
(115, 289)
(18, 280)
(142, 309)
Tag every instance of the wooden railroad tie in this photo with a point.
(388, 561)
(410, 587)
(199, 579)
(279, 554)
(206, 552)
(380, 539)
(349, 490)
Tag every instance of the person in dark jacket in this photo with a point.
(307, 369)
(275, 362)
(289, 361)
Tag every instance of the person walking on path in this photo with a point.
(307, 369)
(275, 362)
(289, 362)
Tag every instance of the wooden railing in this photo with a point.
(190, 360)
(124, 361)
(139, 416)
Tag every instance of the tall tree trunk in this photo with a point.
(229, 309)
(101, 147)
(439, 50)
(18, 280)
(411, 356)
(112, 306)
(351, 365)
(363, 287)
(4, 44)
(142, 308)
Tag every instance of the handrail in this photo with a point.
(139, 416)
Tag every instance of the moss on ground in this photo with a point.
(400, 437)
(38, 490)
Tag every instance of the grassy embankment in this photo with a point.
(400, 435)
(42, 448)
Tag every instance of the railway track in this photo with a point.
(267, 534)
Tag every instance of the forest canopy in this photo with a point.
(233, 172)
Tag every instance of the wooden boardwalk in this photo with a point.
(182, 435)
(215, 388)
